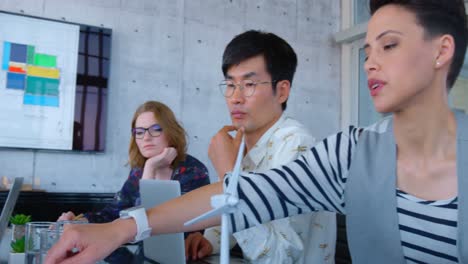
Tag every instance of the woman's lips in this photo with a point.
(375, 86)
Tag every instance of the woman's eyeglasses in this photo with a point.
(154, 131)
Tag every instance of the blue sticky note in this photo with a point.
(18, 53)
(6, 55)
(15, 80)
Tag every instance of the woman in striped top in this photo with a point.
(397, 181)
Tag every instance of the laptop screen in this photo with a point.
(10, 204)
(167, 248)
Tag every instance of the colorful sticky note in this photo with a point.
(15, 80)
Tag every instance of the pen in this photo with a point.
(78, 217)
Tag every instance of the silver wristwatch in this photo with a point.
(138, 213)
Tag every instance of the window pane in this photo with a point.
(93, 66)
(366, 111)
(459, 93)
(93, 44)
(361, 11)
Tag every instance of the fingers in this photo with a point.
(239, 134)
(189, 245)
(82, 244)
(196, 246)
(85, 256)
(226, 129)
(238, 137)
(171, 150)
(61, 249)
(223, 134)
(223, 149)
(206, 248)
(171, 154)
(168, 152)
(195, 242)
(79, 244)
(68, 216)
(162, 160)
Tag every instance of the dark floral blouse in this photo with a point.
(191, 174)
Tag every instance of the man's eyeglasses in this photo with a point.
(247, 87)
(154, 131)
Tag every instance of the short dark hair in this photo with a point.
(437, 17)
(280, 58)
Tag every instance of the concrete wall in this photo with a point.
(170, 50)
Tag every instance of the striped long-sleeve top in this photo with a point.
(317, 181)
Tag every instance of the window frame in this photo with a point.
(349, 38)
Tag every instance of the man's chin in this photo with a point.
(245, 128)
(238, 125)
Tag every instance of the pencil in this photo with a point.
(78, 217)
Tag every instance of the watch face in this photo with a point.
(139, 214)
(146, 233)
(127, 211)
(124, 214)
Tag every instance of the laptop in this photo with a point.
(167, 248)
(10, 204)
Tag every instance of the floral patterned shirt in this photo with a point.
(191, 174)
(300, 239)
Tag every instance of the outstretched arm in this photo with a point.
(96, 241)
(171, 216)
(316, 181)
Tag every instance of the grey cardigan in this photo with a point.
(371, 202)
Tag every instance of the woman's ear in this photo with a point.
(445, 51)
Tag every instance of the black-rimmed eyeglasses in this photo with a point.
(154, 131)
(247, 87)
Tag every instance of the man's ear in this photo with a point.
(282, 90)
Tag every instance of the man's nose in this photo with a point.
(238, 94)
